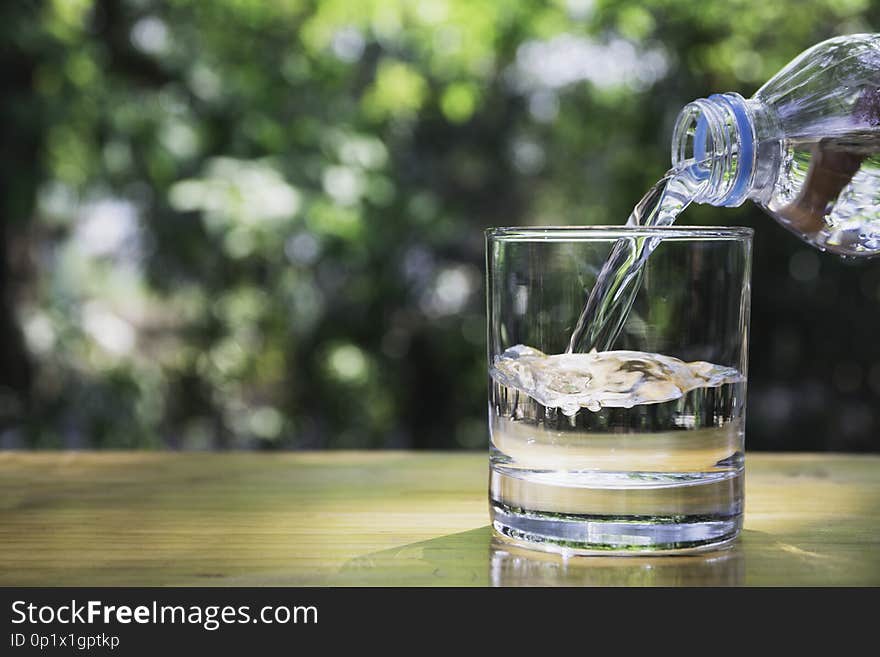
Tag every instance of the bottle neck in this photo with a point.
(717, 140)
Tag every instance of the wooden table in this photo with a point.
(386, 518)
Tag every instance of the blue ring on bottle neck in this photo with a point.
(746, 154)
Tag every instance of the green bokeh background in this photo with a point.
(252, 224)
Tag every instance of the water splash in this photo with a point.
(597, 380)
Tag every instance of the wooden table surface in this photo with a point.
(386, 518)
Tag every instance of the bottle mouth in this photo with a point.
(714, 140)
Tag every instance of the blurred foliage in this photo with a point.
(242, 223)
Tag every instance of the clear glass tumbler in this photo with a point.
(634, 450)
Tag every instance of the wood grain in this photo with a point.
(386, 518)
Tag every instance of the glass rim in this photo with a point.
(608, 233)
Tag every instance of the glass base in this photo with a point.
(632, 535)
(601, 512)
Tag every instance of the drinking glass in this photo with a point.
(637, 449)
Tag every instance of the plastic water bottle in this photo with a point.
(805, 147)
